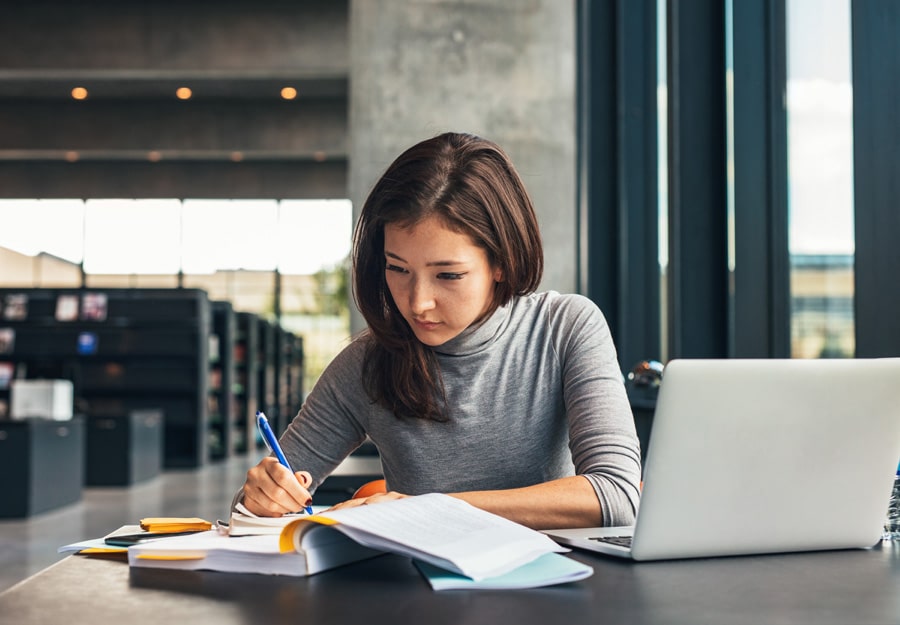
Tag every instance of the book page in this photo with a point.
(245, 523)
(446, 532)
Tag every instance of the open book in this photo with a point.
(439, 530)
(245, 523)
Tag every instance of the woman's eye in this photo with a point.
(451, 276)
(394, 268)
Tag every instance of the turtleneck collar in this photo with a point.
(477, 336)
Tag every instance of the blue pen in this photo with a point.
(272, 443)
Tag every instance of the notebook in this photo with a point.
(763, 456)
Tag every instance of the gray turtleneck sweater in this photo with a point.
(535, 394)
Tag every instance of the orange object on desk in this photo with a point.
(368, 489)
(376, 487)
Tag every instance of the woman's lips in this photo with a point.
(426, 325)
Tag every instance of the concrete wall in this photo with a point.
(502, 69)
(235, 138)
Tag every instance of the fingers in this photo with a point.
(271, 489)
(304, 477)
(364, 501)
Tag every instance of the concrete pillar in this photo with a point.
(502, 69)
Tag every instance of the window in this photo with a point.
(41, 242)
(820, 169)
(286, 259)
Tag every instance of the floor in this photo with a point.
(29, 545)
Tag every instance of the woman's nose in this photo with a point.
(421, 298)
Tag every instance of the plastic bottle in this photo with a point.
(892, 522)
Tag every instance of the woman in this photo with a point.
(467, 381)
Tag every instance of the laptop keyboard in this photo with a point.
(621, 541)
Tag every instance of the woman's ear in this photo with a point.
(498, 274)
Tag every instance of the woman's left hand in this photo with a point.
(364, 501)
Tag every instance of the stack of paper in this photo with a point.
(246, 554)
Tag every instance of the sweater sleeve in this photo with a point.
(330, 424)
(602, 436)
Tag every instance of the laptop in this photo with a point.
(763, 456)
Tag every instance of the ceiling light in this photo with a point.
(79, 93)
(183, 93)
(288, 93)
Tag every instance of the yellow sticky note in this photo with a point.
(186, 555)
(162, 525)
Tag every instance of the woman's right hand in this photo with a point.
(272, 490)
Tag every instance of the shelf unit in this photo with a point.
(265, 372)
(123, 350)
(41, 465)
(289, 371)
(245, 381)
(221, 398)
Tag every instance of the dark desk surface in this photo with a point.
(849, 587)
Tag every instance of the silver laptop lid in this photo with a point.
(756, 456)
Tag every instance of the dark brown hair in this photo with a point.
(470, 184)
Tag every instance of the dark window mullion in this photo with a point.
(697, 271)
(760, 285)
(876, 155)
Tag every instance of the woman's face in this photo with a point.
(440, 280)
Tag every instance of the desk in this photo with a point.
(848, 587)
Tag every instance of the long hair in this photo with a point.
(470, 184)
